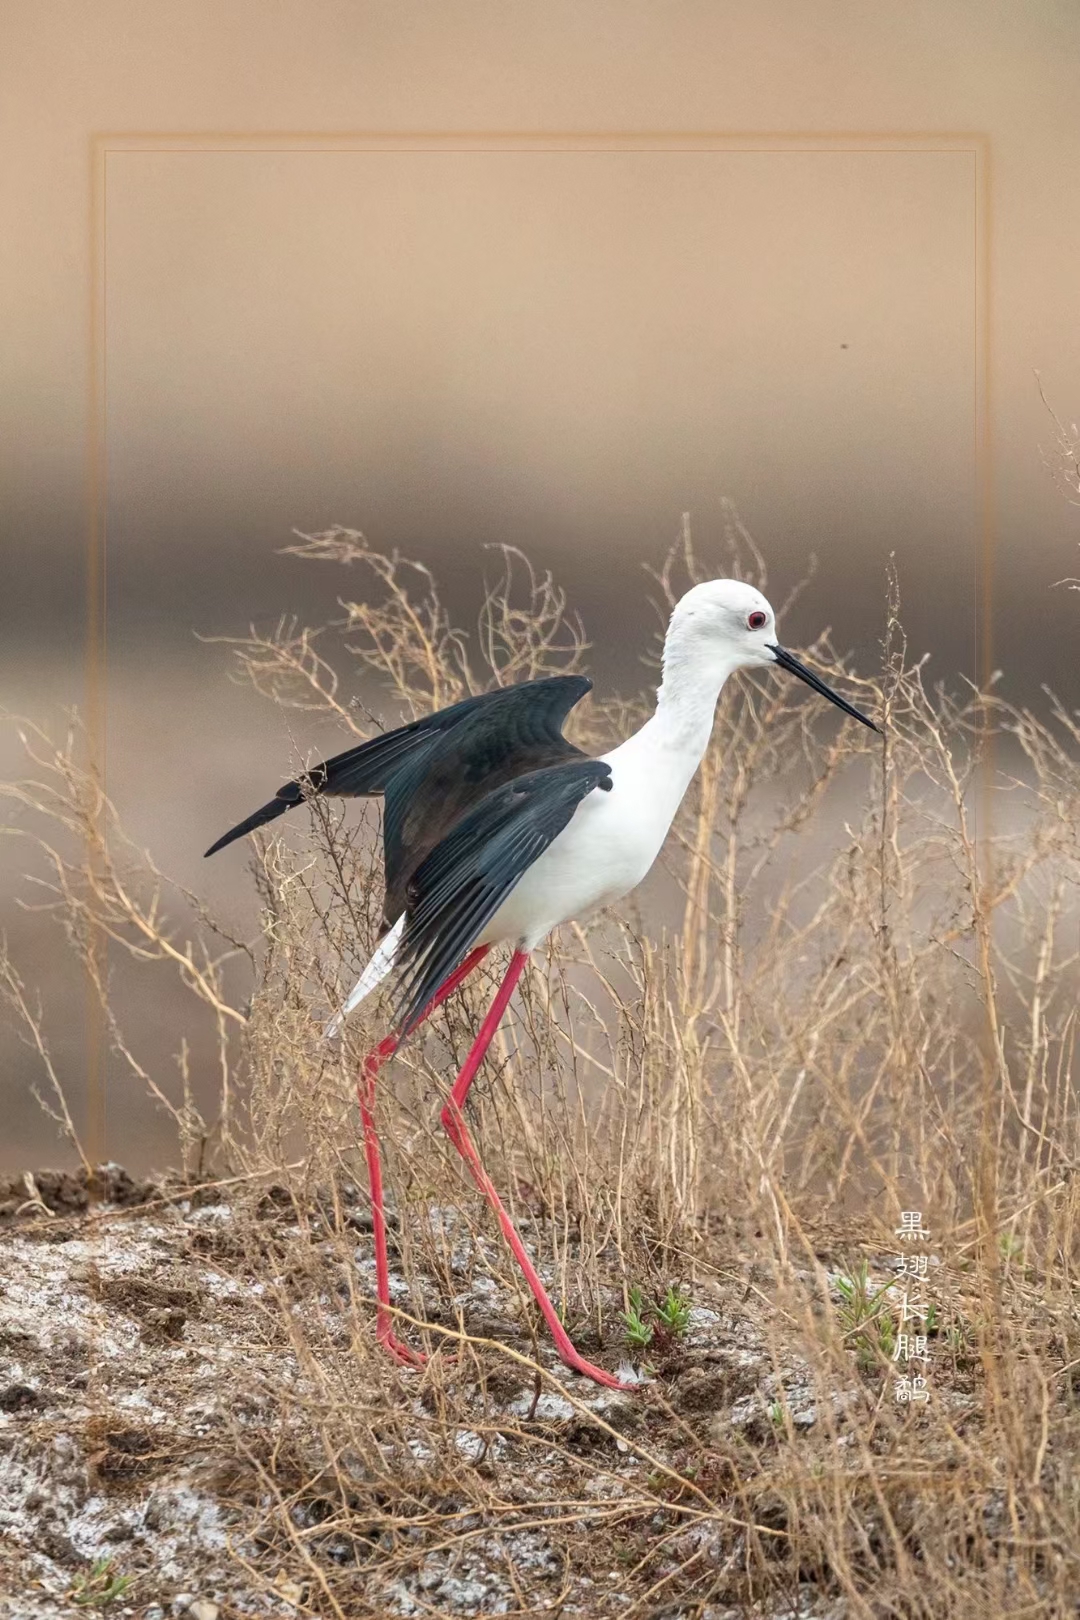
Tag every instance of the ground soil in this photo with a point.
(142, 1433)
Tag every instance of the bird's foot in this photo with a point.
(597, 1374)
(400, 1351)
(405, 1354)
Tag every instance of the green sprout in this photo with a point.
(655, 1321)
(674, 1313)
(864, 1318)
(960, 1345)
(639, 1332)
(100, 1587)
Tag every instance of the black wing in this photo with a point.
(517, 731)
(511, 730)
(462, 883)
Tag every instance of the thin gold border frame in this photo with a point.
(103, 145)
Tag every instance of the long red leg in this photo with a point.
(454, 1123)
(365, 1091)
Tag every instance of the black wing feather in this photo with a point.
(460, 886)
(526, 716)
(517, 731)
(357, 773)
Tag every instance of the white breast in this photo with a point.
(608, 847)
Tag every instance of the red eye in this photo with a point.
(757, 621)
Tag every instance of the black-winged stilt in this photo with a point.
(496, 829)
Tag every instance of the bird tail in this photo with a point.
(376, 971)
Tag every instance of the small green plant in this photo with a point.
(674, 1313)
(100, 1587)
(860, 1301)
(864, 1318)
(1010, 1245)
(661, 1322)
(639, 1332)
(961, 1345)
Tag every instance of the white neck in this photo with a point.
(686, 699)
(671, 744)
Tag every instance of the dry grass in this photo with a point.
(846, 997)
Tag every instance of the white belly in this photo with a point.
(608, 847)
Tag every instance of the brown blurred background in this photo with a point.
(562, 350)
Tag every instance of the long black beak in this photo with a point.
(788, 661)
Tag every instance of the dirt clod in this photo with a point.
(18, 1397)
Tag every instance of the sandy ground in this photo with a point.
(141, 1375)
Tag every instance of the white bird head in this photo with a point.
(725, 624)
